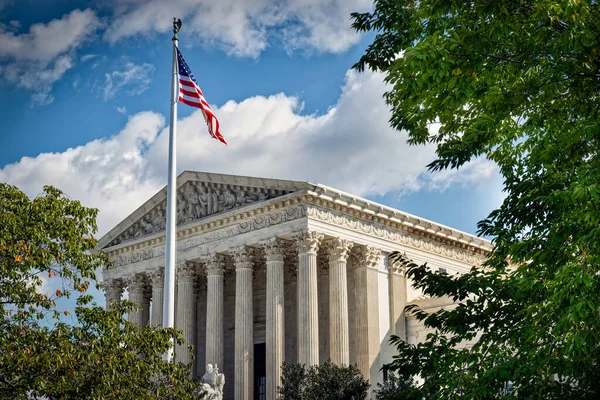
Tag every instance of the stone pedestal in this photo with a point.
(157, 280)
(244, 328)
(136, 286)
(186, 310)
(214, 309)
(113, 290)
(308, 319)
(275, 328)
(367, 309)
(339, 352)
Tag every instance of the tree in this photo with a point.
(517, 82)
(322, 382)
(102, 356)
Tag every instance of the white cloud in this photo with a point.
(38, 58)
(135, 77)
(351, 148)
(87, 57)
(245, 28)
(121, 110)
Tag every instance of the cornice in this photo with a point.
(395, 232)
(370, 211)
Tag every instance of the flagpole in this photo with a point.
(170, 250)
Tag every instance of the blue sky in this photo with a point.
(84, 105)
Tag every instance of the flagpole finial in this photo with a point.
(176, 27)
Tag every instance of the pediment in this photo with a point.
(199, 195)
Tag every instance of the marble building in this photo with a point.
(271, 271)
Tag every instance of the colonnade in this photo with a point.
(143, 286)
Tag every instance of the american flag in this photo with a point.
(190, 94)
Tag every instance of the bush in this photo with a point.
(394, 388)
(322, 382)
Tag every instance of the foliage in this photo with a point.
(102, 356)
(322, 382)
(293, 381)
(394, 388)
(516, 82)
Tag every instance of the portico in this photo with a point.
(292, 269)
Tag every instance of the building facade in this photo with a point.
(272, 271)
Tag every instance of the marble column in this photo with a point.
(136, 286)
(366, 286)
(398, 300)
(214, 309)
(113, 290)
(308, 319)
(339, 351)
(244, 327)
(157, 279)
(185, 314)
(275, 328)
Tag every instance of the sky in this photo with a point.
(85, 90)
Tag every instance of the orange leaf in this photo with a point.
(58, 293)
(67, 313)
(18, 258)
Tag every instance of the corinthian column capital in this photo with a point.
(367, 256)
(113, 288)
(136, 283)
(308, 241)
(157, 277)
(274, 249)
(339, 249)
(242, 257)
(186, 272)
(214, 264)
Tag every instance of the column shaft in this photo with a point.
(244, 327)
(214, 311)
(185, 315)
(275, 328)
(308, 306)
(136, 286)
(158, 289)
(367, 310)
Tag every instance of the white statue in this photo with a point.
(213, 383)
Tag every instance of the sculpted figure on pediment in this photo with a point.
(181, 207)
(228, 199)
(146, 225)
(158, 221)
(215, 201)
(192, 209)
(203, 200)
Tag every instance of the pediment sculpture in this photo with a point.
(195, 200)
(213, 383)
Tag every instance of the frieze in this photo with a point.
(265, 221)
(374, 229)
(260, 222)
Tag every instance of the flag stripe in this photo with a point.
(190, 94)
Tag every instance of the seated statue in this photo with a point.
(213, 383)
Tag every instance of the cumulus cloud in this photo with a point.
(351, 147)
(132, 76)
(244, 28)
(38, 58)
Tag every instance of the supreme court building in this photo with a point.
(271, 271)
